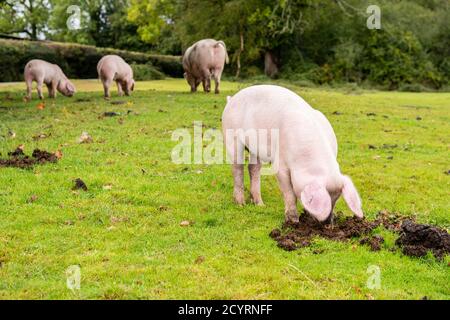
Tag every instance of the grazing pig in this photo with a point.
(203, 60)
(113, 68)
(43, 72)
(305, 151)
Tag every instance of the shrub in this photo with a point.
(146, 72)
(77, 61)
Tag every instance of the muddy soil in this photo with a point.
(417, 239)
(79, 185)
(292, 237)
(414, 239)
(18, 159)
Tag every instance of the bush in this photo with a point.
(144, 72)
(77, 61)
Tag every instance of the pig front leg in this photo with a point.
(119, 88)
(254, 169)
(51, 90)
(290, 200)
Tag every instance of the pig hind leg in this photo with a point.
(29, 84)
(236, 150)
(106, 84)
(206, 80)
(290, 199)
(254, 169)
(217, 75)
(40, 82)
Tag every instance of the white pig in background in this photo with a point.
(306, 146)
(201, 61)
(113, 68)
(51, 74)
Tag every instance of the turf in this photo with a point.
(125, 233)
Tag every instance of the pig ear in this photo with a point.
(351, 197)
(316, 201)
(70, 87)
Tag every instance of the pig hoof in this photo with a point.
(239, 199)
(258, 203)
(291, 218)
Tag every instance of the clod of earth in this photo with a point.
(417, 239)
(80, 185)
(18, 159)
(414, 240)
(111, 114)
(118, 102)
(375, 242)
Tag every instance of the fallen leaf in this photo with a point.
(59, 154)
(85, 138)
(33, 198)
(41, 106)
(184, 223)
(40, 136)
(199, 259)
(107, 187)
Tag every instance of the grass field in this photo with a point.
(125, 233)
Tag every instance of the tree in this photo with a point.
(24, 17)
(102, 22)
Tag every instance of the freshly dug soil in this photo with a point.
(414, 240)
(417, 239)
(301, 234)
(375, 242)
(79, 185)
(18, 159)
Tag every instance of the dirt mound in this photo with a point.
(414, 240)
(417, 239)
(300, 235)
(18, 159)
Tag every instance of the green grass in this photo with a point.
(128, 240)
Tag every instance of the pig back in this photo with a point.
(205, 54)
(114, 66)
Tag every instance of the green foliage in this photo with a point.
(322, 41)
(24, 16)
(146, 72)
(77, 61)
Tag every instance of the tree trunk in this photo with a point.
(270, 64)
(241, 49)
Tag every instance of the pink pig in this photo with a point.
(113, 68)
(43, 72)
(305, 157)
